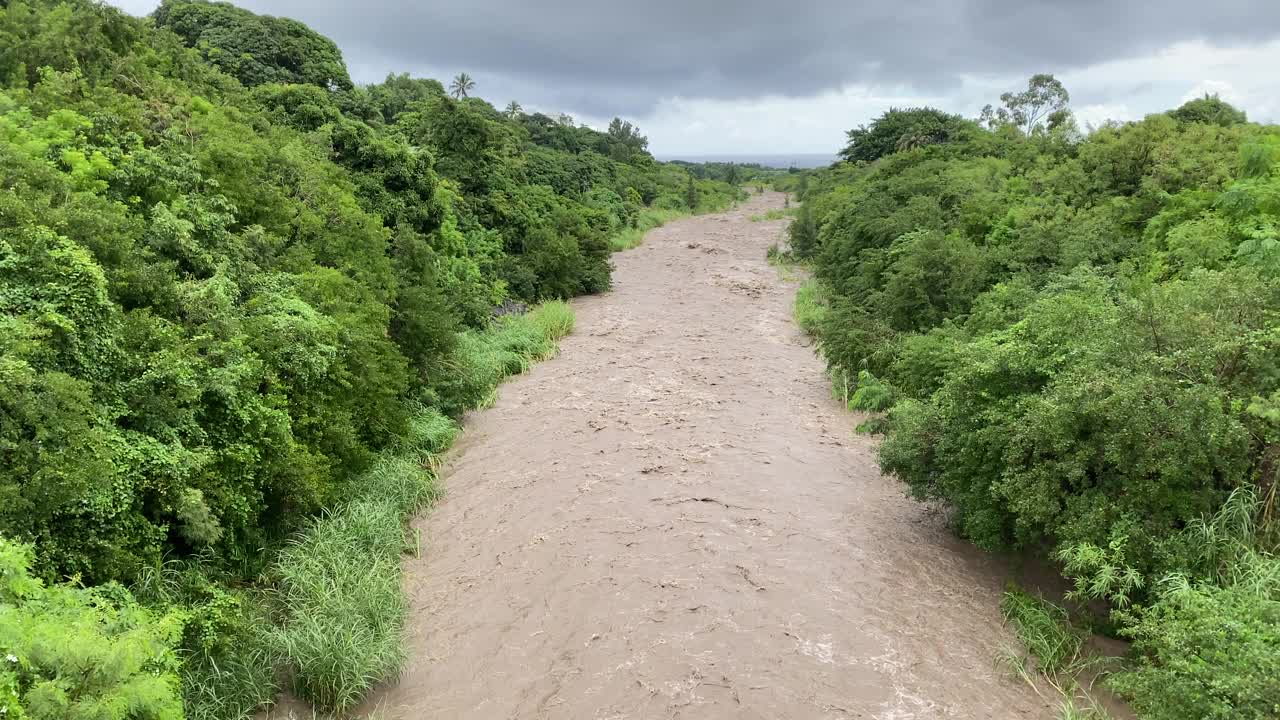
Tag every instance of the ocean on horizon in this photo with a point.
(773, 160)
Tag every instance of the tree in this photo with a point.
(691, 194)
(1209, 110)
(903, 129)
(625, 140)
(461, 86)
(804, 233)
(396, 93)
(1044, 101)
(513, 110)
(256, 49)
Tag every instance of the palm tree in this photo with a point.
(462, 85)
(514, 110)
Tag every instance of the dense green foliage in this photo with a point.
(231, 283)
(1079, 339)
(898, 130)
(69, 652)
(255, 49)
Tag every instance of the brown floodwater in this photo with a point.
(674, 519)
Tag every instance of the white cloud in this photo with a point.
(1116, 90)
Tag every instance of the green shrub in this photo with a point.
(1209, 644)
(872, 394)
(1209, 651)
(810, 306)
(803, 233)
(1064, 428)
(70, 653)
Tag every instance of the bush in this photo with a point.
(1209, 645)
(81, 654)
(1205, 651)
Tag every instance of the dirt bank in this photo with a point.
(673, 519)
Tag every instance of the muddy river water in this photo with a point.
(674, 519)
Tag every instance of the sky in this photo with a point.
(772, 77)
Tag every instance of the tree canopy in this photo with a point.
(1075, 340)
(1209, 110)
(900, 129)
(255, 49)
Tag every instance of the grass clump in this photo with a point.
(775, 214)
(481, 359)
(1045, 630)
(229, 659)
(228, 663)
(345, 611)
(340, 581)
(429, 433)
(648, 219)
(810, 307)
(555, 319)
(1054, 654)
(342, 607)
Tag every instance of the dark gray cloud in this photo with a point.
(607, 57)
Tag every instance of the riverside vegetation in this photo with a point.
(244, 303)
(1072, 341)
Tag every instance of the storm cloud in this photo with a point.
(600, 58)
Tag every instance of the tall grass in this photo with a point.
(228, 662)
(340, 579)
(554, 319)
(1054, 654)
(648, 219)
(1044, 629)
(810, 307)
(775, 214)
(653, 217)
(510, 346)
(340, 583)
